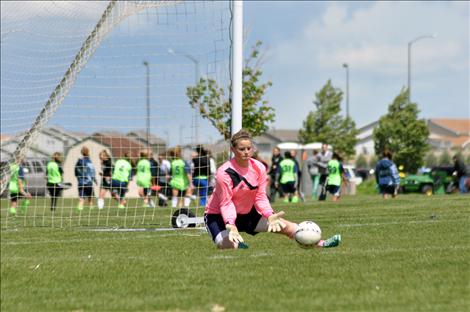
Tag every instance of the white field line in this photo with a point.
(75, 240)
(257, 255)
(394, 222)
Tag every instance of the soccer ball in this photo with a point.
(308, 234)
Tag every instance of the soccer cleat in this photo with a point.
(79, 208)
(24, 206)
(295, 199)
(333, 241)
(121, 206)
(286, 200)
(242, 245)
(91, 207)
(13, 211)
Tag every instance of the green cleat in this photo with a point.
(286, 201)
(79, 208)
(295, 199)
(25, 205)
(13, 211)
(333, 241)
(121, 206)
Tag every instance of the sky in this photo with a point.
(306, 43)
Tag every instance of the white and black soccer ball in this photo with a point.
(308, 234)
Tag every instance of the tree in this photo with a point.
(211, 101)
(326, 125)
(402, 133)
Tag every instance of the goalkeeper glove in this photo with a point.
(233, 234)
(275, 223)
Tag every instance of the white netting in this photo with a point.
(109, 76)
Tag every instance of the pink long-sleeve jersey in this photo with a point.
(238, 189)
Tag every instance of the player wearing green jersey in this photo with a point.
(144, 178)
(17, 189)
(288, 170)
(122, 174)
(336, 175)
(181, 180)
(54, 178)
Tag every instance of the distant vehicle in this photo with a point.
(438, 180)
(35, 176)
(352, 174)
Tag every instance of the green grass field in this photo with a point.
(408, 254)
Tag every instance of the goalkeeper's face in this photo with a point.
(244, 150)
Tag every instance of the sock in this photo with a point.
(174, 202)
(100, 203)
(187, 201)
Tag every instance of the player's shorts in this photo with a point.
(333, 189)
(288, 188)
(181, 193)
(119, 188)
(14, 197)
(147, 191)
(106, 183)
(85, 191)
(387, 189)
(245, 223)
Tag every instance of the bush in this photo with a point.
(368, 187)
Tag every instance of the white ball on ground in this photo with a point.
(308, 234)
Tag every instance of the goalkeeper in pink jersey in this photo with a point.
(239, 202)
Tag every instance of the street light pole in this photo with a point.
(346, 66)
(146, 64)
(410, 43)
(196, 80)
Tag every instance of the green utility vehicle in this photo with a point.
(438, 181)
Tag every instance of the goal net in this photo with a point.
(95, 111)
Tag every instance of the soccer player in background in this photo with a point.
(122, 174)
(201, 174)
(85, 174)
(54, 178)
(273, 171)
(144, 179)
(298, 192)
(288, 176)
(323, 158)
(17, 189)
(336, 175)
(181, 180)
(239, 202)
(387, 176)
(106, 174)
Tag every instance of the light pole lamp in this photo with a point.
(410, 43)
(146, 64)
(346, 66)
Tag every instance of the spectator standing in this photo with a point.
(273, 171)
(106, 177)
(54, 178)
(314, 172)
(462, 173)
(85, 174)
(387, 175)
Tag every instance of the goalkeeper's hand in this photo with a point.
(275, 223)
(233, 234)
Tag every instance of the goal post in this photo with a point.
(123, 92)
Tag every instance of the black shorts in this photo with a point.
(14, 197)
(106, 183)
(54, 189)
(288, 188)
(85, 191)
(245, 223)
(333, 189)
(387, 189)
